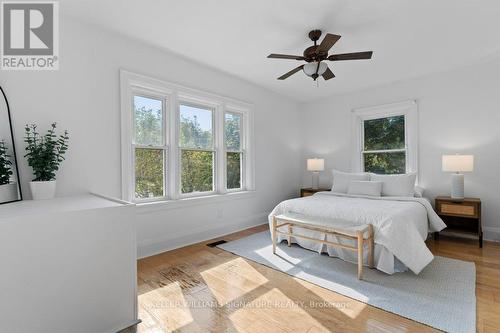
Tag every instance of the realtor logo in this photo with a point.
(30, 35)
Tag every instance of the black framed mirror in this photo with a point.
(10, 189)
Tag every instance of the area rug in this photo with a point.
(441, 296)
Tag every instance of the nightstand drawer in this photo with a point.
(457, 209)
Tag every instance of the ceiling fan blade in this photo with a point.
(351, 56)
(290, 73)
(327, 43)
(328, 74)
(285, 56)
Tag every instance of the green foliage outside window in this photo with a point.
(149, 162)
(148, 121)
(197, 171)
(232, 133)
(148, 173)
(197, 156)
(233, 170)
(384, 134)
(192, 135)
(385, 163)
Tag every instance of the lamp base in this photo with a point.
(457, 186)
(315, 180)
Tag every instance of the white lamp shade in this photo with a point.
(458, 163)
(315, 164)
(310, 68)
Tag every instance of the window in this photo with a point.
(385, 138)
(384, 146)
(179, 142)
(234, 152)
(196, 143)
(149, 147)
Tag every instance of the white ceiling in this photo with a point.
(410, 38)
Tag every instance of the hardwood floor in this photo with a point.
(203, 289)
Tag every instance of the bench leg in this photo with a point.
(273, 234)
(360, 254)
(371, 246)
(289, 238)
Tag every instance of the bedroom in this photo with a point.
(138, 251)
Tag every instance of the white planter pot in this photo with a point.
(8, 192)
(43, 190)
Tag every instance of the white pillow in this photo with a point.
(341, 180)
(363, 187)
(402, 185)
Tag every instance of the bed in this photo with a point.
(401, 226)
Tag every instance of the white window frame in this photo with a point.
(190, 101)
(408, 109)
(242, 150)
(164, 98)
(172, 95)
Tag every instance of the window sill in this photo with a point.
(156, 206)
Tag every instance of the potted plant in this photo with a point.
(8, 188)
(44, 154)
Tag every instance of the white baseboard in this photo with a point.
(491, 234)
(147, 249)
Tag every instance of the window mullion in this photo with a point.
(244, 147)
(174, 156)
(220, 154)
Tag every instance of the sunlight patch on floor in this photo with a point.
(270, 309)
(281, 260)
(148, 324)
(232, 279)
(341, 303)
(168, 306)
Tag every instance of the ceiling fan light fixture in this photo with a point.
(315, 57)
(311, 67)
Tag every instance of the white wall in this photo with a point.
(459, 112)
(83, 97)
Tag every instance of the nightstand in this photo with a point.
(461, 216)
(306, 192)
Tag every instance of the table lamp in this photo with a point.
(457, 164)
(315, 165)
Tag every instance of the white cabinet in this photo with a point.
(67, 265)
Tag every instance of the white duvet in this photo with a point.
(401, 225)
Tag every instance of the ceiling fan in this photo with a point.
(316, 55)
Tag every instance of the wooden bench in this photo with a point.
(361, 234)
